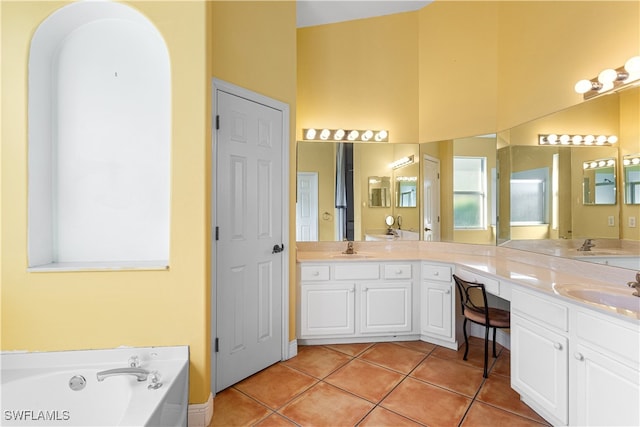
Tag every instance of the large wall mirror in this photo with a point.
(529, 196)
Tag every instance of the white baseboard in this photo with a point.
(200, 414)
(293, 349)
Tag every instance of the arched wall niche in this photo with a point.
(99, 140)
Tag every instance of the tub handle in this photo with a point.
(154, 380)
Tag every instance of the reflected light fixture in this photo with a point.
(351, 135)
(577, 140)
(631, 160)
(405, 161)
(601, 163)
(611, 79)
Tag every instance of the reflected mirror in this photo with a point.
(599, 182)
(631, 167)
(379, 191)
(406, 191)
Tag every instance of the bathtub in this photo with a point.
(62, 389)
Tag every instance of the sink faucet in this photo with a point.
(587, 245)
(349, 250)
(139, 373)
(635, 285)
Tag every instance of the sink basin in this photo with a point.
(351, 256)
(603, 296)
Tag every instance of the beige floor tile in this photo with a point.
(326, 405)
(450, 374)
(369, 381)
(352, 350)
(276, 385)
(317, 361)
(421, 346)
(393, 356)
(503, 364)
(232, 408)
(275, 420)
(480, 414)
(426, 404)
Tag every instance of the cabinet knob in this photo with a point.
(398, 271)
(316, 273)
(579, 356)
(436, 273)
(557, 346)
(365, 289)
(448, 291)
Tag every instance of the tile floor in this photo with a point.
(385, 384)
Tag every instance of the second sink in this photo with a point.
(601, 295)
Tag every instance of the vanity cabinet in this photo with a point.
(573, 365)
(356, 299)
(437, 306)
(605, 363)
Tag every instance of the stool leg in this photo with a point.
(486, 349)
(494, 342)
(466, 341)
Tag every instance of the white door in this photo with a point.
(431, 197)
(249, 233)
(436, 309)
(307, 207)
(385, 307)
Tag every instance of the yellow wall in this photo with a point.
(88, 310)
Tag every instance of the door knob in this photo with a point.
(277, 249)
(427, 229)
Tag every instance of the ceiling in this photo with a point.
(318, 12)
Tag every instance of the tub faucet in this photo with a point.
(349, 250)
(139, 373)
(635, 285)
(586, 246)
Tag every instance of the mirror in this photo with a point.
(631, 167)
(599, 182)
(379, 191)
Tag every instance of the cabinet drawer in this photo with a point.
(491, 285)
(613, 338)
(397, 271)
(352, 271)
(314, 272)
(441, 273)
(540, 309)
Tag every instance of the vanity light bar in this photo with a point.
(594, 164)
(351, 135)
(611, 79)
(631, 160)
(577, 140)
(401, 162)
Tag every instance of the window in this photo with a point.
(469, 193)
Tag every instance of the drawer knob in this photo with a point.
(398, 271)
(448, 291)
(579, 356)
(557, 346)
(316, 273)
(436, 273)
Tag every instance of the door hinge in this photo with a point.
(217, 345)
(217, 122)
(217, 233)
(438, 175)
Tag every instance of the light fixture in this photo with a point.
(576, 140)
(401, 162)
(599, 163)
(611, 79)
(352, 135)
(631, 160)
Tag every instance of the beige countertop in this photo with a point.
(537, 271)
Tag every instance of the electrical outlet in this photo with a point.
(611, 221)
(632, 221)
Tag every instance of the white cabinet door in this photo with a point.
(436, 308)
(385, 307)
(539, 367)
(608, 392)
(328, 309)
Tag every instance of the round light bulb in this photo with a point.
(576, 139)
(552, 138)
(353, 135)
(324, 135)
(633, 65)
(607, 76)
(310, 134)
(611, 162)
(367, 135)
(594, 164)
(588, 139)
(635, 160)
(612, 139)
(585, 165)
(626, 162)
(583, 86)
(381, 135)
(602, 163)
(339, 134)
(601, 139)
(564, 139)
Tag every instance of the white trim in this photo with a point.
(200, 414)
(219, 85)
(293, 349)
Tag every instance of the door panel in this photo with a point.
(248, 212)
